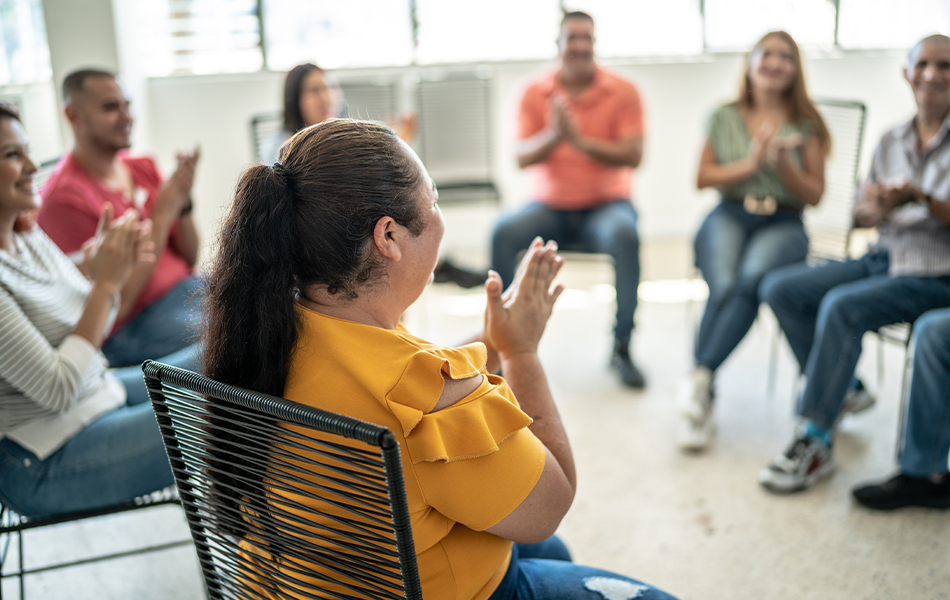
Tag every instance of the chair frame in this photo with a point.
(191, 472)
(12, 524)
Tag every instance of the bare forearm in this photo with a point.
(185, 239)
(940, 209)
(728, 175)
(804, 186)
(95, 316)
(525, 376)
(537, 148)
(614, 153)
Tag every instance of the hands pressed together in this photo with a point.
(175, 196)
(118, 246)
(878, 201)
(767, 148)
(515, 319)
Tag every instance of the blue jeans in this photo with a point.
(610, 228)
(161, 328)
(825, 311)
(545, 572)
(115, 458)
(927, 432)
(734, 250)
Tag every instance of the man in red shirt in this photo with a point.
(156, 314)
(581, 135)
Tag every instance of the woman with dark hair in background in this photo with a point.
(320, 256)
(765, 153)
(74, 435)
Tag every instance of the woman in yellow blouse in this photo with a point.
(320, 256)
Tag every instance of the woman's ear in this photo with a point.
(387, 236)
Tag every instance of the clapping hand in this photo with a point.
(176, 194)
(564, 120)
(515, 320)
(761, 143)
(778, 148)
(118, 246)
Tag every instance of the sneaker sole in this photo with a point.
(803, 484)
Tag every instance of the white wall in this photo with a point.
(215, 111)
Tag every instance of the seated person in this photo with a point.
(923, 479)
(347, 233)
(824, 311)
(766, 154)
(580, 132)
(74, 435)
(157, 315)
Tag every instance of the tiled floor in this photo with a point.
(697, 526)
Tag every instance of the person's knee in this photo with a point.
(931, 332)
(774, 289)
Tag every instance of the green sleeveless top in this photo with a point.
(730, 141)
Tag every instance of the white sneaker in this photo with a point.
(694, 402)
(806, 461)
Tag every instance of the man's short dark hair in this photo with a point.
(75, 82)
(576, 14)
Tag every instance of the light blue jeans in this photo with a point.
(734, 250)
(161, 328)
(927, 431)
(825, 311)
(115, 458)
(610, 228)
(544, 571)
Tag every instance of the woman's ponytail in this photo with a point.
(250, 326)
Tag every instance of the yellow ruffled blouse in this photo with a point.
(466, 467)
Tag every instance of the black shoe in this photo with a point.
(903, 490)
(446, 272)
(630, 375)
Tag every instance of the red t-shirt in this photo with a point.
(609, 109)
(73, 200)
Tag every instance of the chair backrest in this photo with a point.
(455, 136)
(283, 499)
(829, 224)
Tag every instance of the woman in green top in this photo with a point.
(765, 153)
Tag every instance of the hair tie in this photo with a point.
(284, 175)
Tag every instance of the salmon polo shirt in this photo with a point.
(609, 109)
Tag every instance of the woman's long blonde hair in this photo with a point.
(799, 105)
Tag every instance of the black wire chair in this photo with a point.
(14, 525)
(284, 500)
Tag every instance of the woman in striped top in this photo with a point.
(74, 435)
(765, 153)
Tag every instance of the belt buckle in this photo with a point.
(754, 206)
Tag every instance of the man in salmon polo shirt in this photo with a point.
(156, 313)
(580, 133)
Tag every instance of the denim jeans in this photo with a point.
(734, 250)
(161, 328)
(545, 572)
(610, 228)
(825, 311)
(117, 457)
(927, 431)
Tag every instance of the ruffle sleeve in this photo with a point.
(473, 427)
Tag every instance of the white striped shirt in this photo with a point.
(52, 383)
(918, 243)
